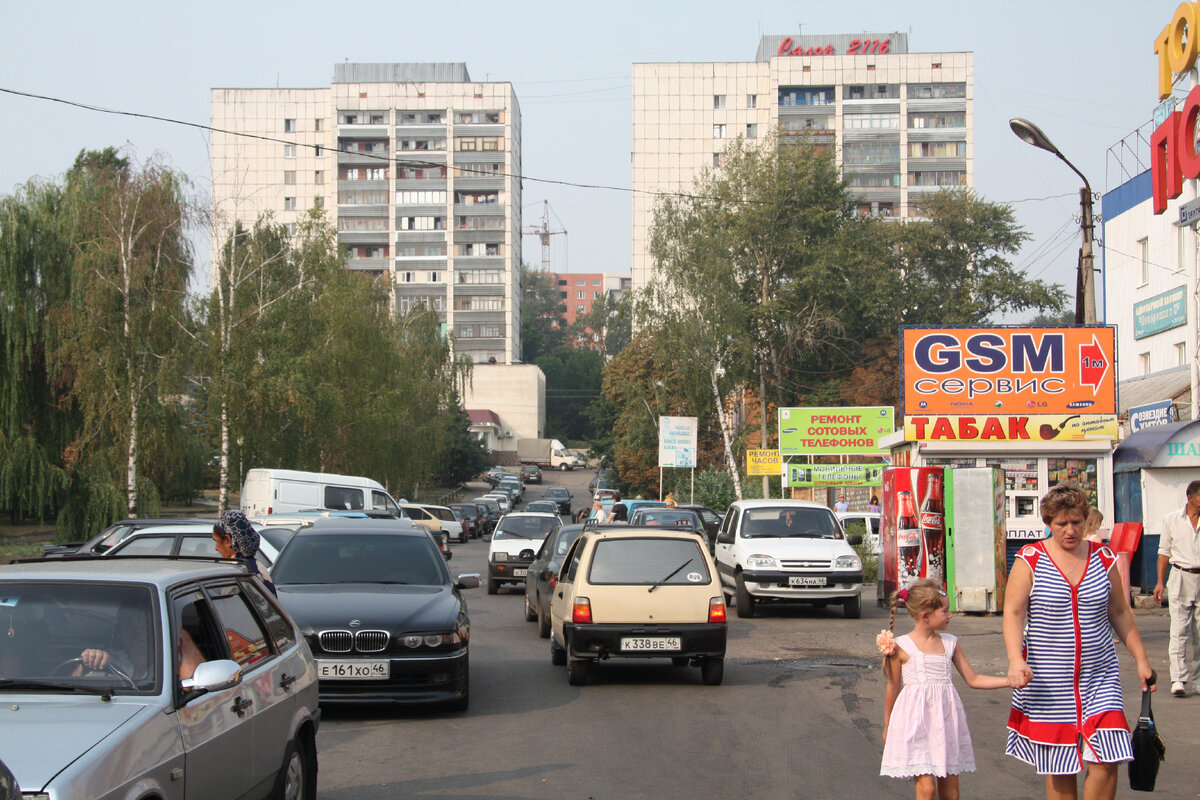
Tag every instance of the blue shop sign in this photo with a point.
(1151, 414)
(1160, 313)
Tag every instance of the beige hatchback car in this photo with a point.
(638, 592)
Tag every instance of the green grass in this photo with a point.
(22, 550)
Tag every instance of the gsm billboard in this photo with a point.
(998, 371)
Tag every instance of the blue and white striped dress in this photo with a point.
(1072, 710)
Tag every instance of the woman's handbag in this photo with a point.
(1148, 748)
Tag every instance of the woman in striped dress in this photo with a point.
(1067, 708)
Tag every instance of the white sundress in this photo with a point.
(927, 733)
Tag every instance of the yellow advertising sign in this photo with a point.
(1005, 428)
(763, 462)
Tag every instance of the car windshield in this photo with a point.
(360, 558)
(557, 492)
(525, 527)
(48, 626)
(543, 506)
(648, 561)
(656, 516)
(787, 521)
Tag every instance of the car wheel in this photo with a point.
(852, 608)
(745, 601)
(712, 671)
(577, 671)
(563, 467)
(679, 661)
(558, 656)
(543, 621)
(492, 585)
(530, 613)
(297, 778)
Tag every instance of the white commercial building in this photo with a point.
(418, 166)
(899, 123)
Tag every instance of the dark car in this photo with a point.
(111, 535)
(542, 576)
(543, 506)
(601, 480)
(473, 516)
(531, 473)
(376, 603)
(562, 496)
(664, 516)
(710, 518)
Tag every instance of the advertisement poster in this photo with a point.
(913, 529)
(677, 441)
(1019, 428)
(802, 475)
(833, 431)
(763, 462)
(1058, 372)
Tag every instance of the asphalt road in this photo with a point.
(798, 715)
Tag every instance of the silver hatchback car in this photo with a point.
(124, 677)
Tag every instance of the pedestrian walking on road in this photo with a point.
(1179, 546)
(925, 734)
(1067, 708)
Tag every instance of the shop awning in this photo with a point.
(1138, 450)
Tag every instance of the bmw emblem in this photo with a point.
(354, 623)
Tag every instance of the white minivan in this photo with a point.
(284, 491)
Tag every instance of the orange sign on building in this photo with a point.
(1009, 371)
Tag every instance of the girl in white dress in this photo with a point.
(925, 735)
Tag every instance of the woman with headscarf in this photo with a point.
(236, 538)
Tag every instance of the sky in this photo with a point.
(1085, 72)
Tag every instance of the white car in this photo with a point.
(434, 518)
(514, 543)
(865, 523)
(504, 499)
(770, 550)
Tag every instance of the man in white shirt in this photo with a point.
(841, 505)
(1179, 546)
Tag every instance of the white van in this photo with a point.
(284, 491)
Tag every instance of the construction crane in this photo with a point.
(544, 233)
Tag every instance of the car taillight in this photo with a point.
(581, 610)
(716, 609)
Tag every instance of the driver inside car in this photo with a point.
(129, 652)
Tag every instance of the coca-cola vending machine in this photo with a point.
(976, 538)
(913, 529)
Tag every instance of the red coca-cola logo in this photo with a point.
(908, 538)
(930, 520)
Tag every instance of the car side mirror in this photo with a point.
(213, 676)
(725, 537)
(468, 580)
(854, 538)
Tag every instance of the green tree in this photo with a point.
(573, 376)
(124, 337)
(542, 325)
(466, 455)
(608, 326)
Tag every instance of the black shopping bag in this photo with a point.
(1148, 749)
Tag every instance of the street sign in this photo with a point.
(1151, 415)
(763, 462)
(677, 441)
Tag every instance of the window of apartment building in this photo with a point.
(376, 173)
(420, 223)
(718, 160)
(289, 125)
(480, 276)
(477, 198)
(378, 118)
(796, 126)
(751, 130)
(871, 180)
(478, 117)
(479, 223)
(319, 176)
(936, 91)
(941, 177)
(718, 131)
(291, 228)
(289, 204)
(871, 121)
(431, 173)
(562, 295)
(289, 177)
(435, 277)
(939, 119)
(317, 150)
(873, 91)
(351, 224)
(718, 101)
(478, 170)
(478, 249)
(479, 303)
(1180, 354)
(580, 295)
(318, 125)
(363, 197)
(871, 152)
(420, 198)
(581, 283)
(289, 151)
(1143, 363)
(806, 95)
(421, 250)
(1181, 246)
(354, 252)
(490, 331)
(1143, 248)
(595, 283)
(423, 144)
(751, 101)
(595, 295)
(937, 149)
(580, 309)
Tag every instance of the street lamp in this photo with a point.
(1085, 298)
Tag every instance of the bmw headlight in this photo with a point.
(415, 640)
(760, 561)
(847, 562)
(499, 556)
